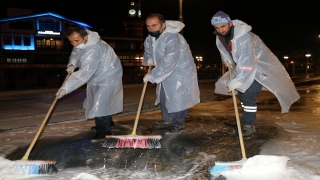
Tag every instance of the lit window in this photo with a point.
(39, 43)
(52, 44)
(48, 43)
(16, 60)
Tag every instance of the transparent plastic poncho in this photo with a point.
(253, 60)
(174, 68)
(101, 69)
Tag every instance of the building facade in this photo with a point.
(34, 50)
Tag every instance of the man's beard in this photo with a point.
(228, 33)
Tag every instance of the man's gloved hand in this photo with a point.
(233, 84)
(61, 93)
(146, 78)
(150, 62)
(70, 69)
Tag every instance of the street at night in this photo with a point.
(189, 154)
(217, 90)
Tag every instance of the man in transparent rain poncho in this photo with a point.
(101, 69)
(254, 67)
(175, 72)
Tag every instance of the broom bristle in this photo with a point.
(35, 167)
(220, 166)
(133, 141)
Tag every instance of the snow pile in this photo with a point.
(85, 176)
(266, 167)
(6, 167)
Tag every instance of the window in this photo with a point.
(128, 60)
(40, 43)
(122, 46)
(26, 41)
(133, 46)
(16, 60)
(17, 40)
(52, 44)
(49, 25)
(7, 40)
(46, 44)
(58, 44)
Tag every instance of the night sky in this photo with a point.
(282, 26)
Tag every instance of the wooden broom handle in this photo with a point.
(237, 115)
(134, 131)
(26, 156)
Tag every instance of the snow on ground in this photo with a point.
(293, 155)
(298, 142)
(301, 143)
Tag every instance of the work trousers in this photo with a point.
(249, 103)
(103, 124)
(176, 118)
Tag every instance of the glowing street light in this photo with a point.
(307, 64)
(292, 63)
(286, 61)
(199, 60)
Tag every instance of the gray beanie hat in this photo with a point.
(220, 18)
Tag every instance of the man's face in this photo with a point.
(223, 28)
(75, 39)
(153, 24)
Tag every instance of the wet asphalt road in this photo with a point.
(209, 126)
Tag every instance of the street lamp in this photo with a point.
(307, 64)
(286, 61)
(199, 60)
(292, 63)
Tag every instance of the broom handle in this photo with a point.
(134, 131)
(26, 156)
(237, 116)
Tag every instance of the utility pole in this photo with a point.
(180, 14)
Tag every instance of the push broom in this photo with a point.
(133, 140)
(26, 166)
(222, 166)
